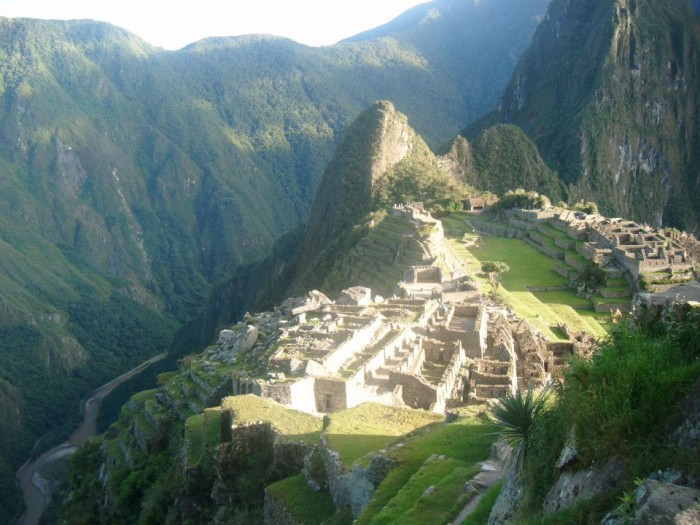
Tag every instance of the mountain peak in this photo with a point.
(378, 139)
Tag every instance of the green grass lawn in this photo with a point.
(412, 506)
(292, 425)
(564, 297)
(307, 506)
(528, 268)
(369, 427)
(194, 434)
(466, 440)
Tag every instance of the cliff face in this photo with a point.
(609, 93)
(377, 140)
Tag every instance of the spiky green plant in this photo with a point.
(514, 415)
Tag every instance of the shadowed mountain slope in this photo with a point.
(608, 91)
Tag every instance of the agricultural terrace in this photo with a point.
(291, 425)
(530, 271)
(427, 451)
(369, 427)
(443, 456)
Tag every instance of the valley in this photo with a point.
(134, 180)
(36, 478)
(329, 411)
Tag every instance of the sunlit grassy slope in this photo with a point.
(529, 268)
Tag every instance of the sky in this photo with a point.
(176, 23)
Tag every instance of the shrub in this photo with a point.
(620, 401)
(589, 207)
(515, 415)
(494, 267)
(526, 200)
(623, 402)
(592, 277)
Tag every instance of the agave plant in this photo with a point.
(514, 414)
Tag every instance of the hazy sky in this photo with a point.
(176, 23)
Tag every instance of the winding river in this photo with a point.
(36, 486)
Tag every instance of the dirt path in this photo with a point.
(36, 487)
(491, 473)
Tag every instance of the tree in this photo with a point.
(589, 207)
(496, 267)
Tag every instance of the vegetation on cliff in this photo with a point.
(618, 123)
(626, 403)
(503, 158)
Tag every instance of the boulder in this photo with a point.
(661, 503)
(570, 452)
(356, 296)
(575, 486)
(234, 342)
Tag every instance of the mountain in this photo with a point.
(380, 161)
(503, 158)
(608, 91)
(475, 44)
(134, 180)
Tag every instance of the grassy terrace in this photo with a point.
(410, 506)
(202, 435)
(307, 506)
(464, 442)
(528, 268)
(369, 427)
(292, 425)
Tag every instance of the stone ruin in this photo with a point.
(637, 248)
(423, 353)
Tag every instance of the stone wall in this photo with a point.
(359, 339)
(449, 379)
(330, 394)
(554, 255)
(574, 262)
(298, 394)
(353, 487)
(416, 391)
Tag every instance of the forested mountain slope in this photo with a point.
(609, 93)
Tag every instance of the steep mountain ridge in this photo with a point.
(609, 93)
(500, 159)
(476, 59)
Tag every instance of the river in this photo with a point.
(36, 486)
